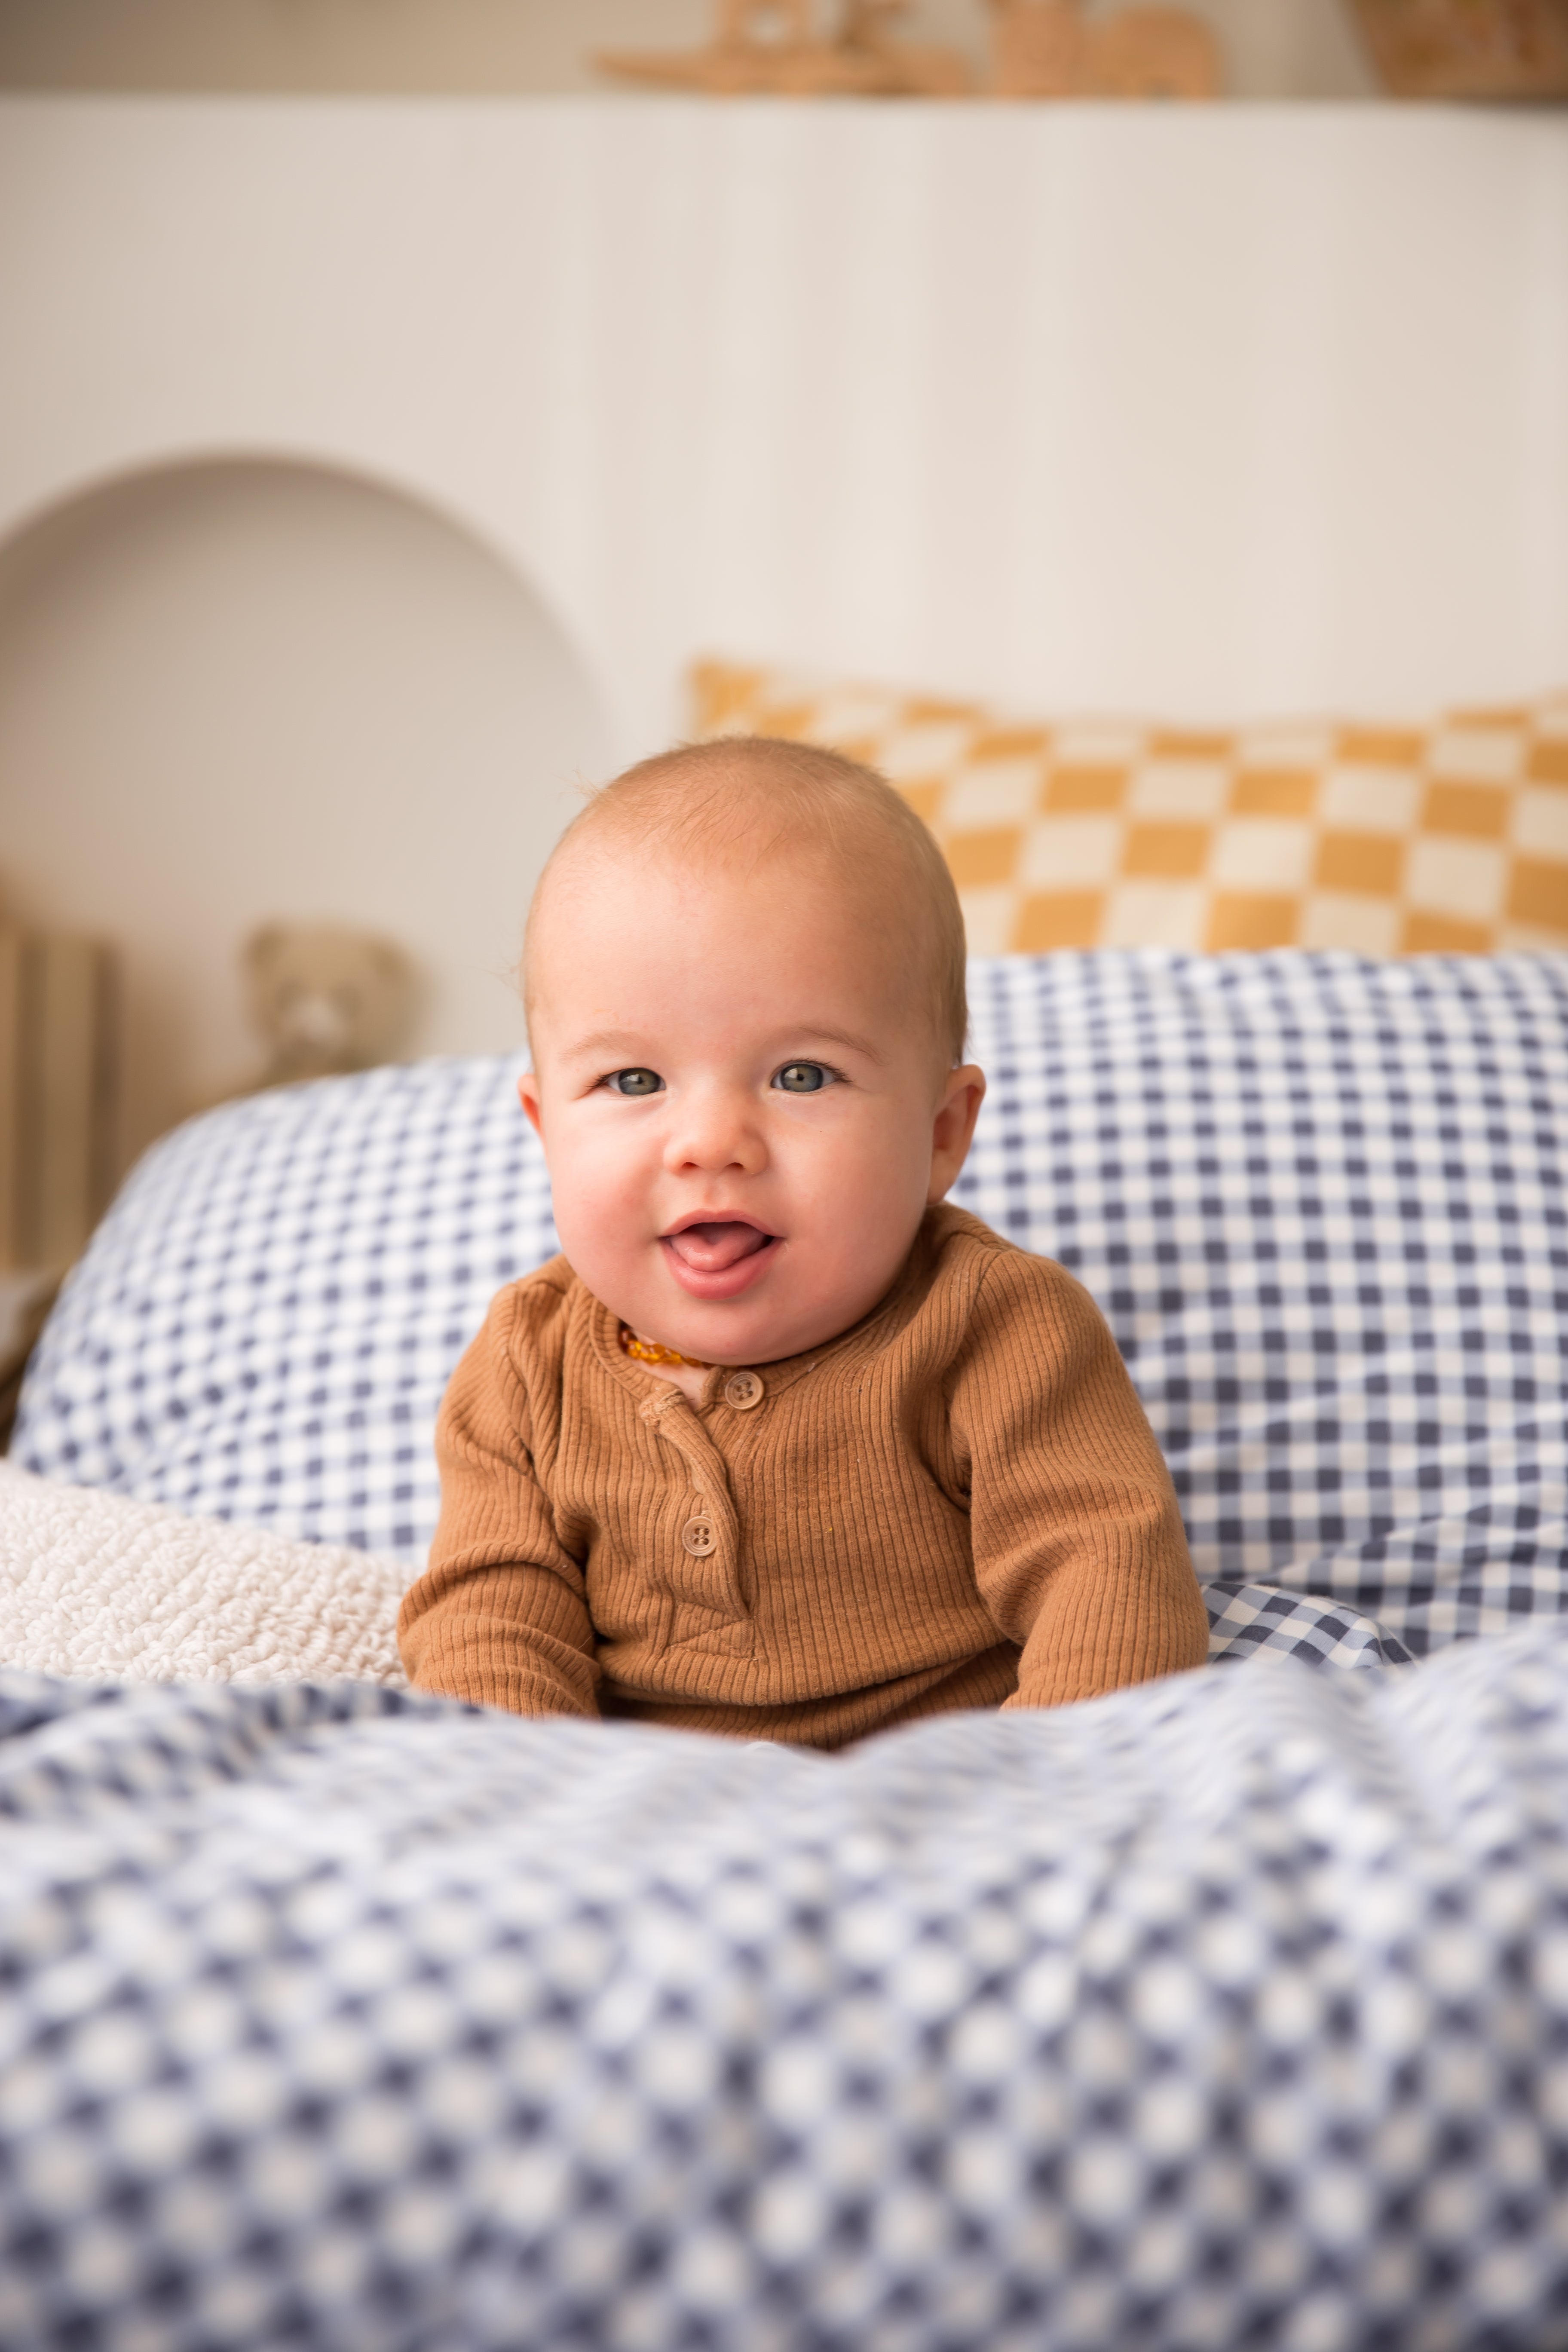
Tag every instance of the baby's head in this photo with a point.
(744, 982)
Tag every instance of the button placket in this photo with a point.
(702, 1574)
(745, 1390)
(698, 1535)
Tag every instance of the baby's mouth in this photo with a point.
(713, 1248)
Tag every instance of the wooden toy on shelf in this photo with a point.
(1469, 48)
(1053, 48)
(773, 48)
(325, 999)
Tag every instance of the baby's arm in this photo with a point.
(1078, 1547)
(500, 1614)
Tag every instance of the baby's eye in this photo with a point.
(634, 1082)
(803, 1077)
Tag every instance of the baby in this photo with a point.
(780, 1446)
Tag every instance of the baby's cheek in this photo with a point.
(602, 1192)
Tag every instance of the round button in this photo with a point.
(699, 1537)
(744, 1390)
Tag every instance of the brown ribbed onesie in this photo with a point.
(957, 1504)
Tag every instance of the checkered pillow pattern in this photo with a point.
(1385, 840)
(1319, 1200)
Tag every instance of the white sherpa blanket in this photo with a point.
(93, 1585)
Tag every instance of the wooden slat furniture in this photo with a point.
(57, 1069)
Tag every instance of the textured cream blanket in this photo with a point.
(121, 1592)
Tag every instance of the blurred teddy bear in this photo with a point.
(325, 1000)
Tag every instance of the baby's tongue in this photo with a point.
(709, 1249)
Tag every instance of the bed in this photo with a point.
(1228, 2011)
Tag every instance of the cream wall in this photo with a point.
(1274, 49)
(1200, 411)
(232, 691)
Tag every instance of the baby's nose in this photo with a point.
(716, 1131)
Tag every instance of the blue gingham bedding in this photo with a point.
(1228, 2012)
(1320, 1201)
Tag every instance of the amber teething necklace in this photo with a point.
(648, 1351)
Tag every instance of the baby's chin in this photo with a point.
(750, 1330)
(725, 1336)
(759, 1306)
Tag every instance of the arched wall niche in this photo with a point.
(241, 688)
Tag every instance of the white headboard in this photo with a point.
(1209, 412)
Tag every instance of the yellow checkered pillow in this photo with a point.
(1384, 839)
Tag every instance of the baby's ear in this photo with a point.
(952, 1130)
(528, 1095)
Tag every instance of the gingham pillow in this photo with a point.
(1319, 1200)
(1387, 840)
(264, 1323)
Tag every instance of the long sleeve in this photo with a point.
(956, 1503)
(1078, 1548)
(501, 1615)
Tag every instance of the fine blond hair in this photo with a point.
(741, 799)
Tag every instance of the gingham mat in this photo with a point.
(1230, 2012)
(1320, 1201)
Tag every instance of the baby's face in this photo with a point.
(741, 1100)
